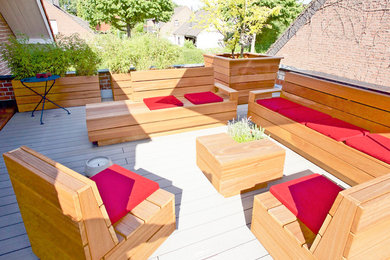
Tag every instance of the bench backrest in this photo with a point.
(361, 107)
(62, 210)
(152, 83)
(358, 224)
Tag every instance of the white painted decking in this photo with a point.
(208, 225)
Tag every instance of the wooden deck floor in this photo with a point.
(208, 225)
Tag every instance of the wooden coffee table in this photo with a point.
(235, 168)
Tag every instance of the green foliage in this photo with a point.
(25, 60)
(142, 51)
(290, 10)
(245, 130)
(124, 14)
(237, 20)
(69, 5)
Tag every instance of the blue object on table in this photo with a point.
(47, 90)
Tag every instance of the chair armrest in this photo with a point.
(232, 93)
(255, 94)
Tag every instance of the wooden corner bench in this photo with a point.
(128, 120)
(362, 108)
(356, 227)
(65, 217)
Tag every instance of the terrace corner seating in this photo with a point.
(357, 226)
(314, 131)
(128, 120)
(65, 217)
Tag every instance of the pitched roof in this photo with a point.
(191, 27)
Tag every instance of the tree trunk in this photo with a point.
(128, 29)
(242, 51)
(233, 54)
(253, 43)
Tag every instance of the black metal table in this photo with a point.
(47, 90)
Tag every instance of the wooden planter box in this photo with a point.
(235, 168)
(255, 71)
(67, 92)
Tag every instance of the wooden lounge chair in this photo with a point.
(363, 108)
(65, 217)
(128, 120)
(356, 227)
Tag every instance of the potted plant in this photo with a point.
(239, 21)
(240, 160)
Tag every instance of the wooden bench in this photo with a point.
(356, 227)
(128, 120)
(363, 108)
(65, 217)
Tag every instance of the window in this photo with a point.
(53, 24)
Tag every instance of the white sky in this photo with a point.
(195, 4)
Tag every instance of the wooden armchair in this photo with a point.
(356, 227)
(65, 217)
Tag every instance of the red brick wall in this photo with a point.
(346, 38)
(6, 90)
(104, 79)
(5, 33)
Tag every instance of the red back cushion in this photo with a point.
(122, 190)
(203, 98)
(303, 114)
(309, 198)
(277, 103)
(337, 129)
(155, 103)
(374, 145)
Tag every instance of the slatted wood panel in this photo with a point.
(65, 216)
(253, 72)
(348, 164)
(67, 92)
(356, 227)
(121, 86)
(235, 168)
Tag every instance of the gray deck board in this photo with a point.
(208, 225)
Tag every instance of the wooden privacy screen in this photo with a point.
(152, 83)
(67, 92)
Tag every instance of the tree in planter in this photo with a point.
(125, 14)
(237, 20)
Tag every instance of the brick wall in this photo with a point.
(5, 33)
(104, 79)
(6, 90)
(346, 38)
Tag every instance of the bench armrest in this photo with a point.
(255, 94)
(232, 93)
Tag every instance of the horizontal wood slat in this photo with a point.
(170, 74)
(67, 92)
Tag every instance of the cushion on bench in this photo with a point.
(203, 98)
(337, 129)
(374, 145)
(303, 114)
(276, 104)
(309, 198)
(155, 103)
(122, 190)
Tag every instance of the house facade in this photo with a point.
(347, 40)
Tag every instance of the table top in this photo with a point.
(35, 79)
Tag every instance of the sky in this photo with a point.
(195, 4)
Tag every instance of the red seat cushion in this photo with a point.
(374, 145)
(337, 129)
(203, 98)
(303, 114)
(309, 198)
(277, 103)
(155, 103)
(122, 190)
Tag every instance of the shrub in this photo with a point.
(245, 130)
(25, 60)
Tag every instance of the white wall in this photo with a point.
(207, 39)
(178, 39)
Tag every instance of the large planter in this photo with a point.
(235, 168)
(254, 71)
(66, 92)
